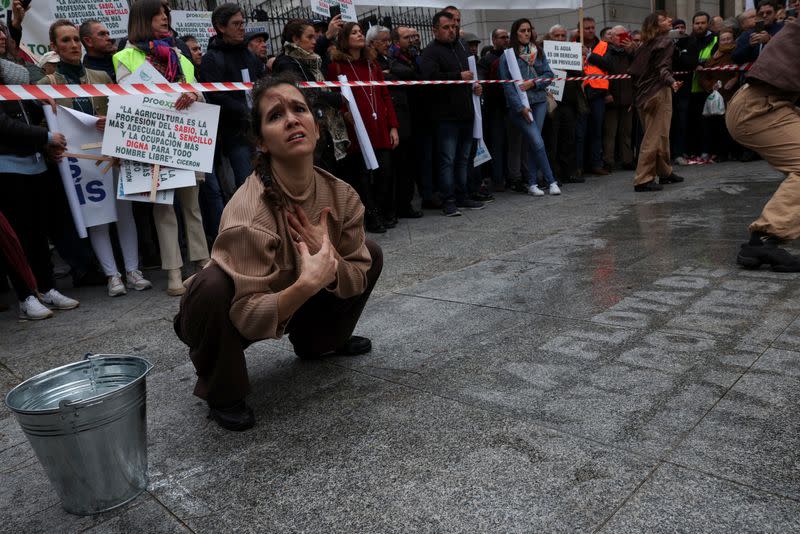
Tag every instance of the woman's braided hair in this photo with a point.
(262, 162)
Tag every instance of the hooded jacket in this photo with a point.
(224, 63)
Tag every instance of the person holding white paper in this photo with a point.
(531, 63)
(352, 58)
(23, 173)
(66, 43)
(150, 41)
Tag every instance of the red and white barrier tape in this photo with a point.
(41, 92)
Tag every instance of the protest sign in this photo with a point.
(197, 23)
(481, 154)
(92, 184)
(563, 55)
(557, 87)
(137, 177)
(323, 8)
(35, 26)
(364, 143)
(166, 196)
(477, 123)
(151, 130)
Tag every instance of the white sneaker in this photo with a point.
(115, 286)
(135, 280)
(535, 191)
(554, 190)
(55, 300)
(32, 309)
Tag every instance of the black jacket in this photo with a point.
(616, 61)
(224, 63)
(446, 61)
(18, 134)
(494, 99)
(284, 64)
(104, 64)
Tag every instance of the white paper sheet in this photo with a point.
(513, 68)
(477, 125)
(361, 132)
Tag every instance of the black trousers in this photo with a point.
(20, 203)
(404, 164)
(560, 141)
(216, 347)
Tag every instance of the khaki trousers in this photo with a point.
(167, 229)
(656, 115)
(770, 125)
(617, 130)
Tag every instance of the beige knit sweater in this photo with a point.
(255, 249)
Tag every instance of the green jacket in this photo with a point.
(131, 58)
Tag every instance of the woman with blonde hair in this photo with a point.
(150, 40)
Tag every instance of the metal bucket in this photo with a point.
(87, 423)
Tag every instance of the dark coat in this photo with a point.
(493, 97)
(18, 134)
(777, 64)
(285, 64)
(617, 61)
(446, 61)
(747, 53)
(224, 63)
(651, 69)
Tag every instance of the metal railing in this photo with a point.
(274, 14)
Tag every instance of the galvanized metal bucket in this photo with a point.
(87, 423)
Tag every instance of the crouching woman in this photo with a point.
(291, 257)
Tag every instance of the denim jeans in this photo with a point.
(211, 204)
(532, 134)
(240, 154)
(455, 142)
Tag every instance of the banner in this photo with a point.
(35, 26)
(151, 130)
(481, 154)
(556, 88)
(93, 188)
(136, 177)
(197, 23)
(162, 197)
(563, 55)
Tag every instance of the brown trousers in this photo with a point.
(770, 125)
(216, 348)
(656, 116)
(617, 132)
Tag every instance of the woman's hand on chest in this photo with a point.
(303, 230)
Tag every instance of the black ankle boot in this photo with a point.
(764, 249)
(237, 416)
(374, 224)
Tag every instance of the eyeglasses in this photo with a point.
(237, 24)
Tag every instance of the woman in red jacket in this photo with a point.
(376, 189)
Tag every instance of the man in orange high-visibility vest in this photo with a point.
(596, 92)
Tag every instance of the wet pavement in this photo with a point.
(589, 362)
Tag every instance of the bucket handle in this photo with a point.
(66, 404)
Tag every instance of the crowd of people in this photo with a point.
(422, 137)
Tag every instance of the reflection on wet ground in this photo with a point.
(589, 362)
